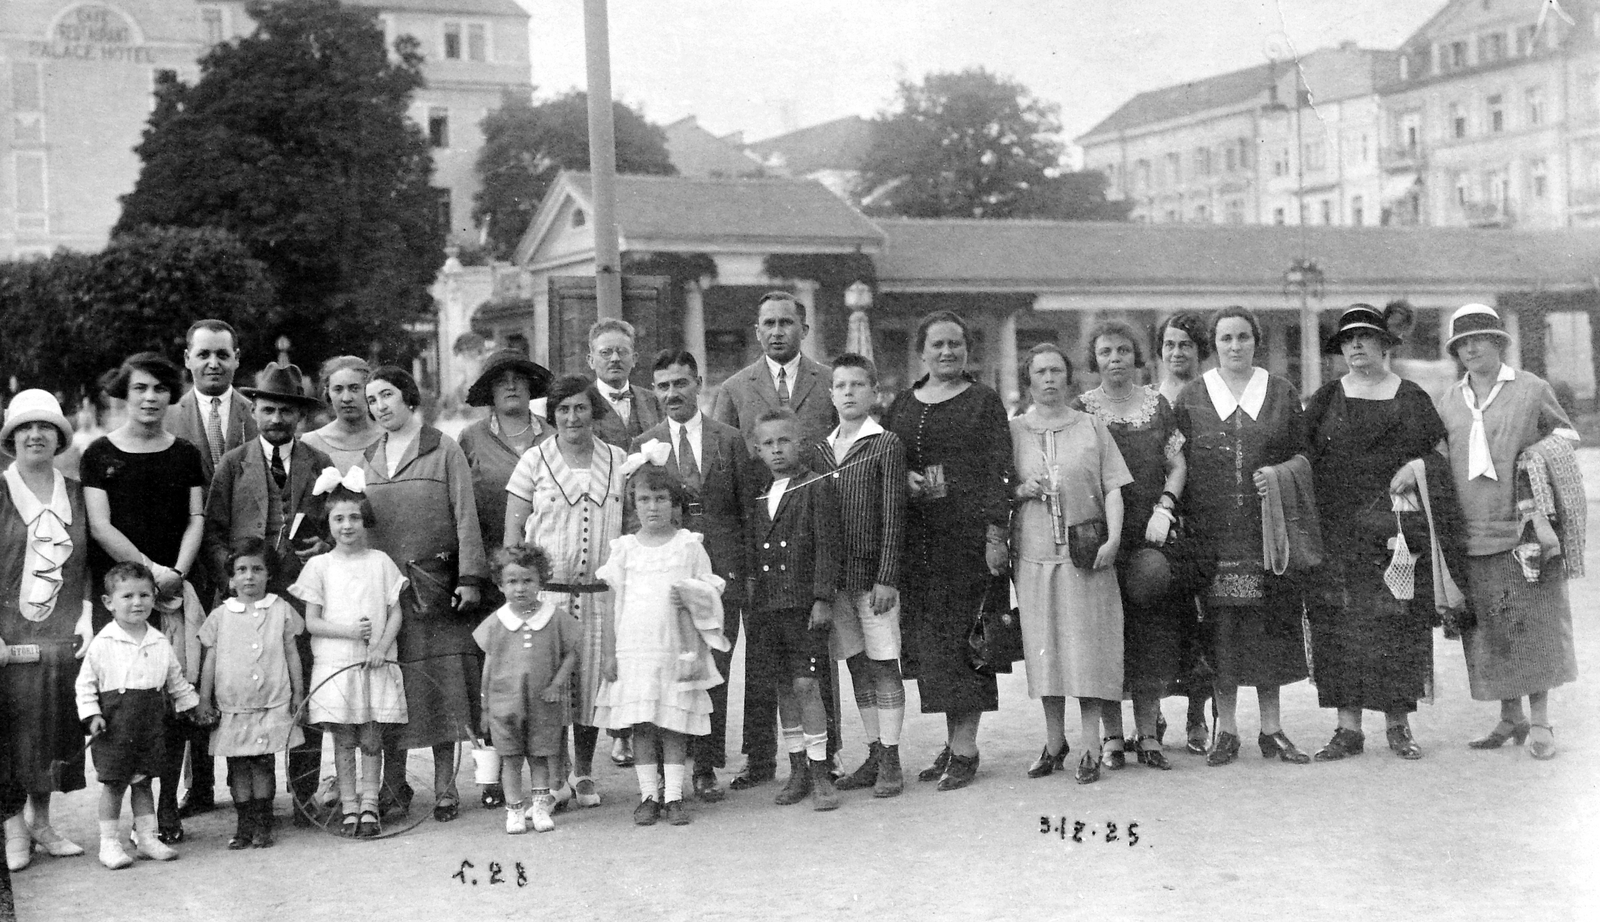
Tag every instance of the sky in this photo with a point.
(768, 66)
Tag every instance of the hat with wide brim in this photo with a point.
(1149, 576)
(281, 382)
(481, 393)
(1475, 320)
(1360, 318)
(35, 406)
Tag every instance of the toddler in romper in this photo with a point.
(129, 672)
(658, 654)
(251, 675)
(530, 648)
(352, 596)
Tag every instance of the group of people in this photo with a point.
(222, 584)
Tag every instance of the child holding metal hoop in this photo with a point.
(251, 679)
(352, 596)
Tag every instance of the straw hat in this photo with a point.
(1360, 318)
(35, 406)
(1475, 320)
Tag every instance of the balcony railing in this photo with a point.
(1408, 157)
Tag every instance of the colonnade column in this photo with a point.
(814, 345)
(694, 322)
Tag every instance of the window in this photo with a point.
(1457, 56)
(1315, 155)
(1327, 211)
(30, 198)
(1172, 216)
(1202, 214)
(1498, 186)
(439, 126)
(1463, 189)
(1491, 47)
(452, 41)
(211, 24)
(477, 42)
(1280, 164)
(1141, 176)
(1244, 153)
(1202, 161)
(1277, 216)
(1458, 120)
(1234, 211)
(1538, 179)
(1497, 113)
(579, 219)
(1174, 171)
(1358, 211)
(442, 202)
(1535, 105)
(1527, 40)
(1366, 148)
(467, 41)
(1230, 159)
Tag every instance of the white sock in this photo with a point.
(869, 722)
(674, 778)
(891, 720)
(816, 746)
(794, 739)
(650, 778)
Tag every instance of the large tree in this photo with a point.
(295, 139)
(525, 145)
(974, 145)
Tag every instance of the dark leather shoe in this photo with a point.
(1088, 769)
(936, 771)
(959, 772)
(1047, 763)
(1224, 751)
(824, 796)
(1153, 756)
(891, 779)
(706, 787)
(799, 784)
(1504, 730)
(676, 813)
(866, 775)
(1402, 743)
(1197, 734)
(1279, 745)
(195, 804)
(1116, 757)
(646, 813)
(751, 775)
(1345, 743)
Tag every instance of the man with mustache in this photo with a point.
(781, 379)
(611, 358)
(216, 419)
(262, 489)
(711, 461)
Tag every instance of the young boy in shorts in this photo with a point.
(868, 466)
(795, 556)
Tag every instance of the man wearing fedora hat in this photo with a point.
(262, 489)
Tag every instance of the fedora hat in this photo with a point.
(281, 382)
(481, 393)
(1475, 320)
(35, 406)
(1360, 318)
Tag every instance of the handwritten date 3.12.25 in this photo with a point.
(1109, 832)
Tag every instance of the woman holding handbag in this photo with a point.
(1067, 530)
(1146, 432)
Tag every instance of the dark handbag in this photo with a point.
(1084, 541)
(994, 641)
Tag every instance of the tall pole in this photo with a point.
(602, 161)
(1310, 347)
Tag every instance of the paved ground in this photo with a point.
(1460, 835)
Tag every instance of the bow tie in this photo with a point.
(619, 396)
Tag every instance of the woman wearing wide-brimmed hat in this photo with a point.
(493, 445)
(44, 579)
(1371, 627)
(1521, 643)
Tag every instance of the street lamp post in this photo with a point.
(1307, 277)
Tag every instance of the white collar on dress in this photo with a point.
(264, 603)
(28, 505)
(1222, 399)
(1506, 373)
(536, 621)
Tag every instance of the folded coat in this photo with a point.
(1551, 466)
(1291, 538)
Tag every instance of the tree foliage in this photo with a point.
(68, 318)
(526, 145)
(295, 139)
(974, 144)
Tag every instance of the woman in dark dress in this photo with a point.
(1146, 432)
(1236, 420)
(958, 452)
(144, 490)
(44, 578)
(1372, 650)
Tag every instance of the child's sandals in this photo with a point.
(351, 827)
(369, 826)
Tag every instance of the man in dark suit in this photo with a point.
(262, 489)
(611, 358)
(781, 379)
(796, 561)
(712, 462)
(217, 419)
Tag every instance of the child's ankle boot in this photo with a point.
(539, 813)
(823, 794)
(112, 854)
(144, 831)
(245, 831)
(264, 824)
(799, 783)
(891, 778)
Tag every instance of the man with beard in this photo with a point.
(711, 461)
(781, 379)
(262, 489)
(611, 358)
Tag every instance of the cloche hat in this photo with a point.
(481, 393)
(1360, 318)
(1475, 320)
(35, 406)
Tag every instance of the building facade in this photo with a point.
(79, 77)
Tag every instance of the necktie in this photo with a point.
(280, 476)
(783, 387)
(214, 439)
(687, 467)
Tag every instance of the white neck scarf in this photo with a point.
(1479, 464)
(49, 543)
